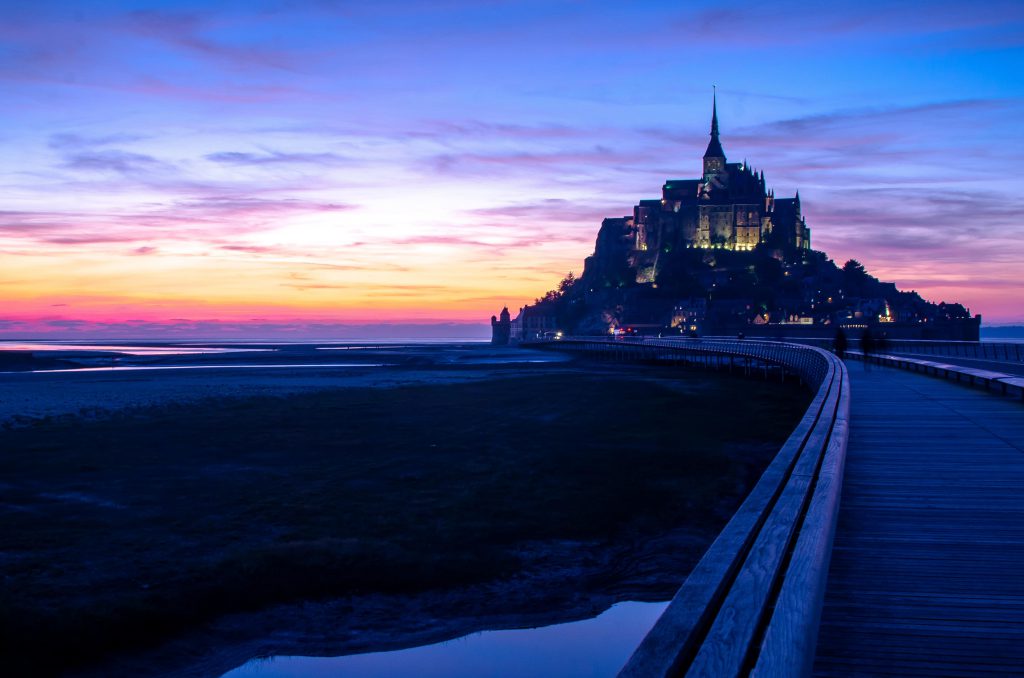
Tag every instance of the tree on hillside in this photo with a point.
(855, 278)
(564, 287)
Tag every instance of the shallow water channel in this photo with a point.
(590, 648)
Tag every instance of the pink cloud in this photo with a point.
(187, 220)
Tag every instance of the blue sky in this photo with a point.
(361, 162)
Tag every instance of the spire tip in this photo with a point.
(714, 111)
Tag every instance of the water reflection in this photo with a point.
(168, 349)
(149, 368)
(592, 648)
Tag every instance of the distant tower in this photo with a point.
(501, 328)
(714, 157)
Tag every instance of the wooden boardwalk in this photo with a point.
(927, 572)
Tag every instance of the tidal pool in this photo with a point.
(591, 648)
(128, 349)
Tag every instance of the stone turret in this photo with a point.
(501, 328)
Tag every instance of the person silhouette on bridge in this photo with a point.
(839, 345)
(867, 347)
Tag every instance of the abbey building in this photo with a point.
(720, 254)
(728, 208)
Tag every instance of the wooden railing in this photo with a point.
(753, 602)
(975, 350)
(993, 351)
(998, 382)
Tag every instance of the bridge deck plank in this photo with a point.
(927, 572)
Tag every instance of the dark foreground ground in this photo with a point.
(159, 536)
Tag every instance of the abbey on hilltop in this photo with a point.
(722, 254)
(728, 208)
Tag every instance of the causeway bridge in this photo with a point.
(886, 537)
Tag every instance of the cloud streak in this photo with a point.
(275, 158)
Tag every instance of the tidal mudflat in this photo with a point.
(180, 523)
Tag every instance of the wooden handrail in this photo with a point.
(753, 602)
(991, 351)
(999, 382)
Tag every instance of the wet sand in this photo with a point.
(66, 383)
(182, 522)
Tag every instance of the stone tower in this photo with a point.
(501, 328)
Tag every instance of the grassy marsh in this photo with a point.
(123, 532)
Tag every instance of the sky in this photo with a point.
(245, 167)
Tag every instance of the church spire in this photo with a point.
(715, 146)
(714, 111)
